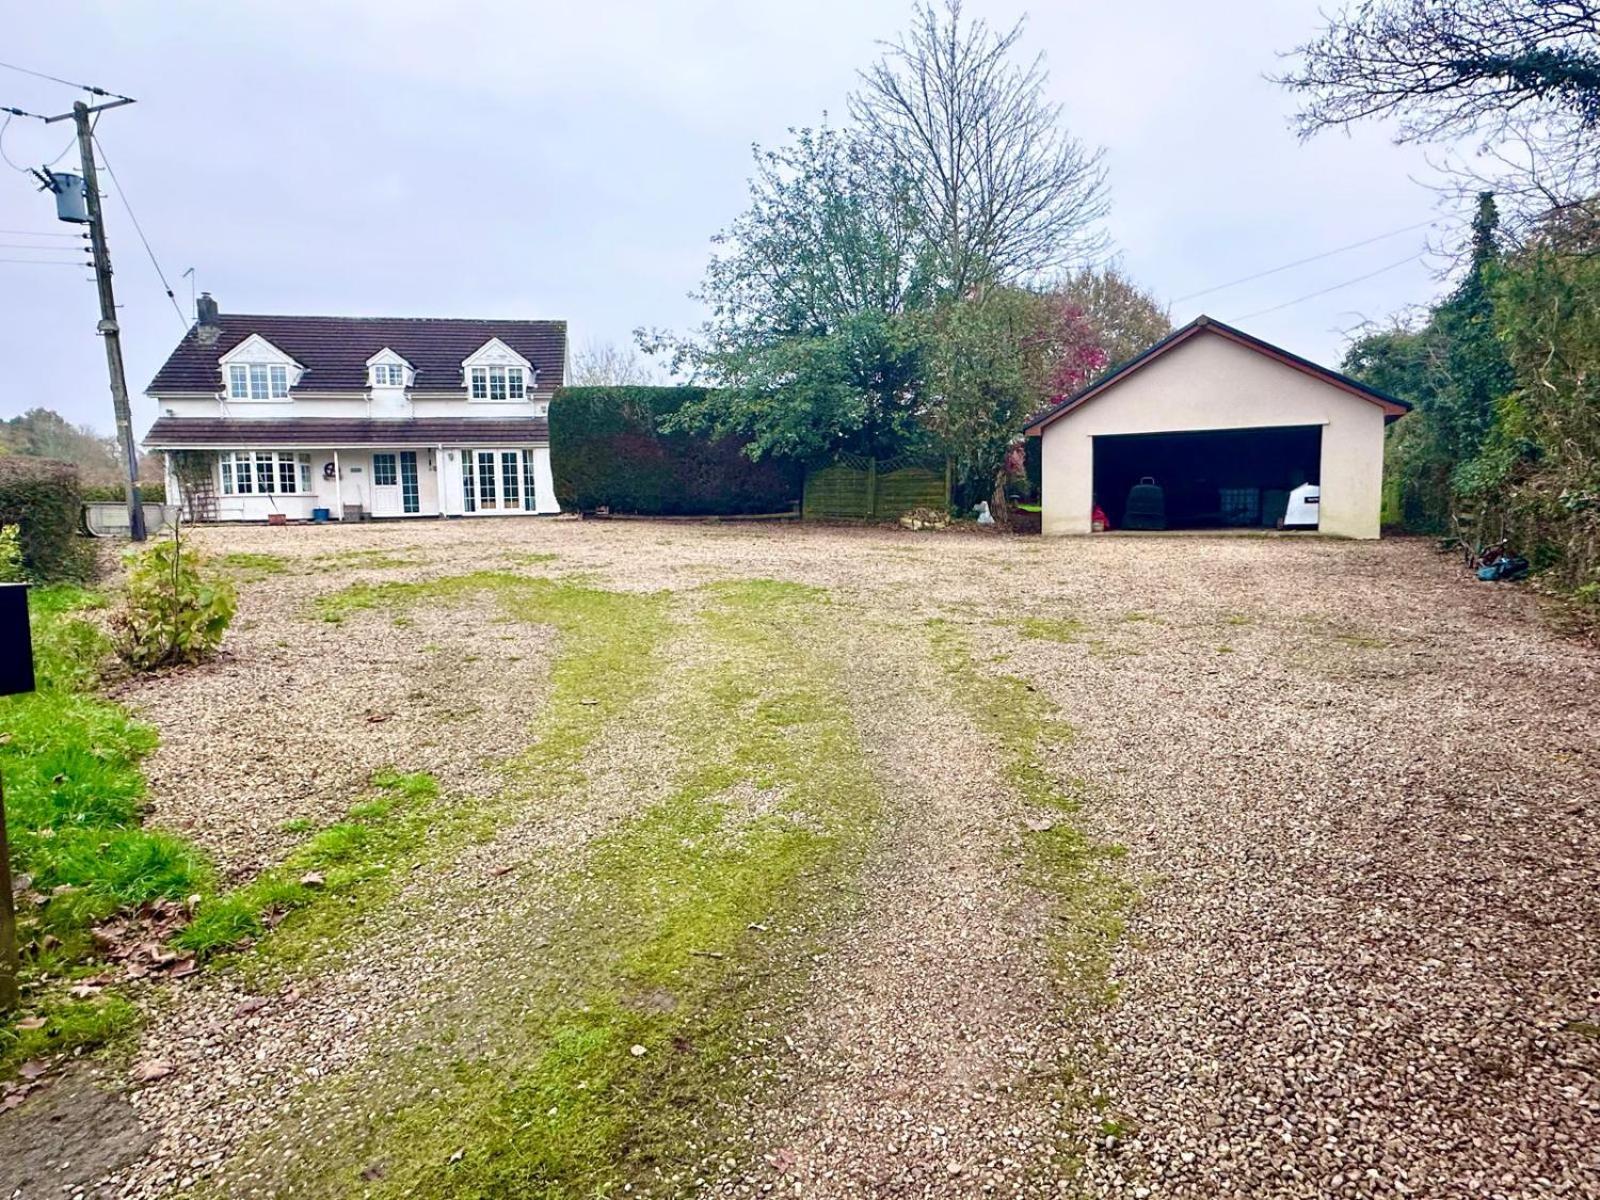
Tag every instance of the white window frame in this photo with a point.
(264, 472)
(497, 374)
(386, 374)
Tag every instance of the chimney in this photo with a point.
(206, 327)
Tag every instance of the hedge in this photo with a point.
(607, 449)
(42, 498)
(151, 491)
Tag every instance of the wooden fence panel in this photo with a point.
(859, 489)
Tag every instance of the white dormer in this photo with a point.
(498, 374)
(386, 369)
(255, 369)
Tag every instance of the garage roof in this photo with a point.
(1392, 407)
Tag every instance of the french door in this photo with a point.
(497, 481)
(394, 483)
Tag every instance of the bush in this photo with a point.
(172, 612)
(151, 491)
(42, 499)
(607, 449)
(11, 569)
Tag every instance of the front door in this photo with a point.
(386, 485)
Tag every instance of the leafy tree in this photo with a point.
(992, 364)
(807, 339)
(1003, 192)
(1475, 360)
(43, 433)
(1520, 76)
(1126, 318)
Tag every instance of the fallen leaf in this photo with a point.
(378, 718)
(638, 1051)
(32, 1023)
(82, 991)
(152, 1069)
(184, 968)
(458, 1156)
(312, 879)
(34, 1068)
(252, 1005)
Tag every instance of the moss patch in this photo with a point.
(1073, 873)
(622, 1051)
(1051, 629)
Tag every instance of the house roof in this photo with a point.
(322, 433)
(334, 350)
(1392, 406)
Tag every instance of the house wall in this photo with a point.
(1211, 382)
(390, 405)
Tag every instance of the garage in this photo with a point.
(1211, 479)
(1212, 428)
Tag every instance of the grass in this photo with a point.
(367, 560)
(617, 1058)
(74, 803)
(326, 869)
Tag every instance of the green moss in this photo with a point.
(528, 560)
(1051, 629)
(259, 565)
(69, 1025)
(605, 657)
(616, 1055)
(1070, 871)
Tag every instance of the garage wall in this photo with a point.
(1211, 382)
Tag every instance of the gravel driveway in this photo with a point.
(1356, 793)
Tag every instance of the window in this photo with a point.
(499, 383)
(258, 381)
(497, 481)
(383, 470)
(265, 473)
(388, 375)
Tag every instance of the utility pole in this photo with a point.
(109, 329)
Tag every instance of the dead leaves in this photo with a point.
(152, 1069)
(138, 940)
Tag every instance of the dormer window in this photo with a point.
(388, 375)
(258, 381)
(499, 383)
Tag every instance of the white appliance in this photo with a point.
(1302, 510)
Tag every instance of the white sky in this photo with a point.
(573, 161)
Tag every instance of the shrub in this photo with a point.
(607, 448)
(42, 499)
(172, 612)
(151, 491)
(11, 569)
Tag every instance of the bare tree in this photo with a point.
(1520, 76)
(1005, 192)
(1126, 318)
(604, 364)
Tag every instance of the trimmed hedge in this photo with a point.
(151, 491)
(607, 449)
(42, 497)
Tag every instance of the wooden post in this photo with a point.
(10, 989)
(872, 489)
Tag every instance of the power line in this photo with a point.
(46, 262)
(1300, 262)
(37, 233)
(82, 87)
(1410, 258)
(122, 194)
(32, 246)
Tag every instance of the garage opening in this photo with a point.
(1215, 479)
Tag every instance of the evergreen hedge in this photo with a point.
(42, 498)
(607, 449)
(151, 491)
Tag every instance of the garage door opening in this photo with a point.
(1217, 479)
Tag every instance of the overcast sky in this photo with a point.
(573, 161)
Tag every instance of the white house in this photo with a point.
(1227, 426)
(360, 416)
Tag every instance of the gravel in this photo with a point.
(1356, 790)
